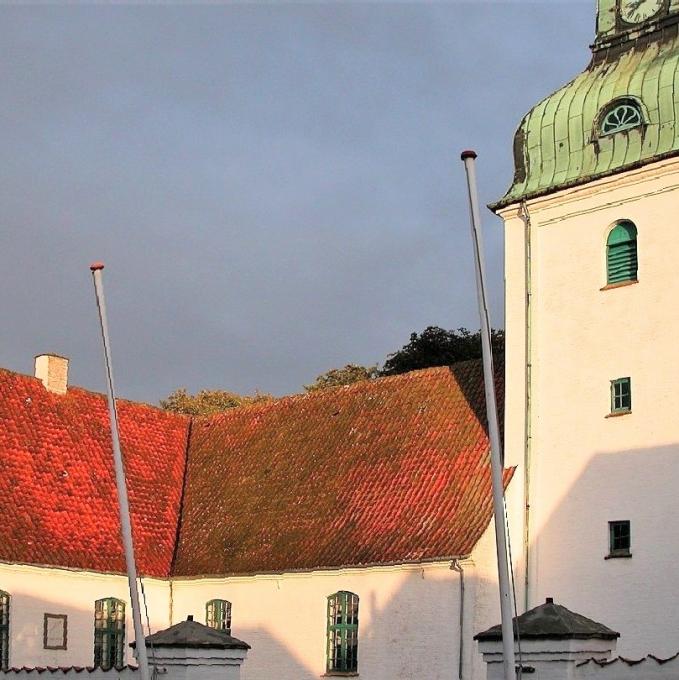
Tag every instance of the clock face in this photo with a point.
(636, 11)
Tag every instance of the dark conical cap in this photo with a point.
(190, 633)
(552, 621)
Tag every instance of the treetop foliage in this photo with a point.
(336, 377)
(435, 346)
(207, 402)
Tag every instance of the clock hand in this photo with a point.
(635, 4)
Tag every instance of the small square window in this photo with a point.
(621, 395)
(619, 539)
(55, 631)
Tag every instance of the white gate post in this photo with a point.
(553, 640)
(191, 651)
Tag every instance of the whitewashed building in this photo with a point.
(339, 532)
(591, 321)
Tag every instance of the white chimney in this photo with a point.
(53, 371)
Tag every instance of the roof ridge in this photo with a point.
(359, 385)
(79, 389)
(264, 404)
(132, 402)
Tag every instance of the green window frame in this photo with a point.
(218, 615)
(4, 630)
(342, 633)
(621, 115)
(621, 395)
(619, 538)
(109, 633)
(621, 253)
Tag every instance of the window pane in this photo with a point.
(620, 537)
(621, 394)
(342, 633)
(4, 630)
(218, 615)
(109, 633)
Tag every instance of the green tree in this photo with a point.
(207, 402)
(336, 377)
(435, 346)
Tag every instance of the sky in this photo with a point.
(275, 189)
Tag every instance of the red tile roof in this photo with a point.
(391, 470)
(58, 500)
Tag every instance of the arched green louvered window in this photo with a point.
(622, 115)
(621, 253)
(4, 630)
(218, 615)
(342, 633)
(109, 633)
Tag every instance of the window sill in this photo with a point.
(620, 284)
(617, 414)
(340, 674)
(616, 556)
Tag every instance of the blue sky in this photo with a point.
(275, 188)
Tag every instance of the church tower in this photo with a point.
(592, 320)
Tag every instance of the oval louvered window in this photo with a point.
(621, 253)
(622, 116)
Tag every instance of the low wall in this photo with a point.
(125, 673)
(576, 658)
(646, 668)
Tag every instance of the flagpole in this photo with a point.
(125, 524)
(496, 457)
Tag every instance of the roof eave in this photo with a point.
(496, 637)
(509, 199)
(308, 570)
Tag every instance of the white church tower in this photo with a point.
(592, 316)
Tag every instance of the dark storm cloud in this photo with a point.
(275, 189)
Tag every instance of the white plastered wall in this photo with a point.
(35, 591)
(588, 469)
(409, 617)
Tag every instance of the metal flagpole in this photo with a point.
(496, 457)
(125, 525)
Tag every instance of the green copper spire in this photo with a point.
(621, 112)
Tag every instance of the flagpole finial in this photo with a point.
(96, 266)
(469, 153)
